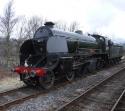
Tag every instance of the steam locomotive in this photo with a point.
(52, 54)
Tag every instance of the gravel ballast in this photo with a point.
(56, 98)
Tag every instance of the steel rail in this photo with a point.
(118, 101)
(87, 91)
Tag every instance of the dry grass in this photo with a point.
(8, 80)
(10, 83)
(4, 73)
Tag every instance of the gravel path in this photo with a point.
(56, 98)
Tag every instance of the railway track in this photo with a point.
(120, 103)
(16, 96)
(101, 97)
(22, 94)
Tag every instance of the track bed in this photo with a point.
(100, 97)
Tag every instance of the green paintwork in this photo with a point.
(73, 46)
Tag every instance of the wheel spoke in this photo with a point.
(47, 81)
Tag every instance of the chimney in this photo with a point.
(49, 24)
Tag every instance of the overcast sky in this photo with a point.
(106, 17)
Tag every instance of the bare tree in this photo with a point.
(62, 26)
(32, 25)
(73, 26)
(8, 21)
(20, 34)
(7, 24)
